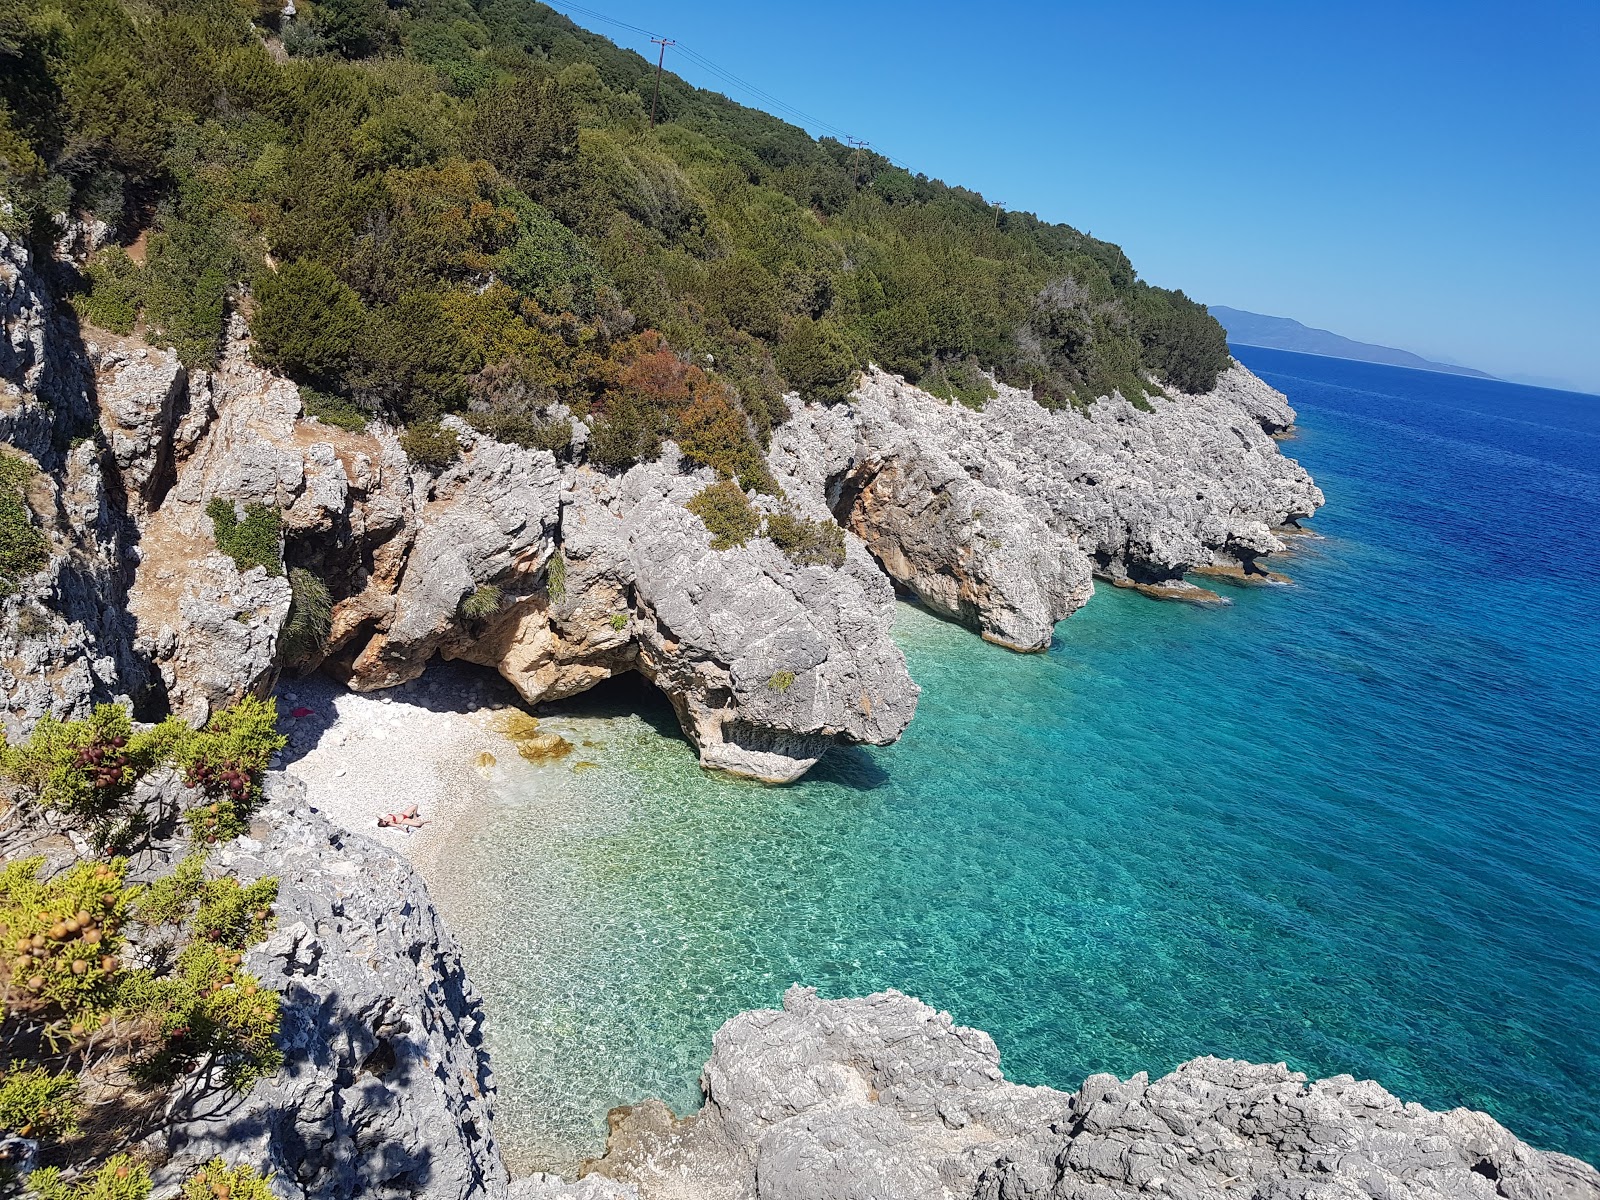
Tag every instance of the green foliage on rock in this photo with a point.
(255, 541)
(306, 628)
(23, 549)
(555, 576)
(121, 1177)
(37, 1103)
(727, 514)
(216, 1180)
(115, 291)
(336, 411)
(226, 760)
(481, 603)
(62, 941)
(808, 543)
(781, 681)
(83, 769)
(429, 445)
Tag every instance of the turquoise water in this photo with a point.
(1353, 823)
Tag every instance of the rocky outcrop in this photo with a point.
(66, 640)
(883, 1098)
(385, 1088)
(999, 518)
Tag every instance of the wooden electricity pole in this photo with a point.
(656, 94)
(855, 160)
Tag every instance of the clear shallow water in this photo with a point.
(1354, 824)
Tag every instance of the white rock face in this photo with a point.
(1000, 518)
(883, 1098)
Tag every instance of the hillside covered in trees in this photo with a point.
(430, 206)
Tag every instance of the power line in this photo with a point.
(723, 74)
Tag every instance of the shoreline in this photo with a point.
(364, 754)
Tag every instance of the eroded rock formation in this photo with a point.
(559, 575)
(882, 1098)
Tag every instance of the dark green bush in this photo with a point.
(429, 445)
(727, 514)
(333, 410)
(305, 630)
(808, 543)
(256, 541)
(23, 549)
(307, 321)
(115, 292)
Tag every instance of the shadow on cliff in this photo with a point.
(334, 1112)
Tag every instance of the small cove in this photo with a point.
(1351, 823)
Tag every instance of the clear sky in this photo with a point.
(1422, 175)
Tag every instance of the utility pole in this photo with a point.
(855, 162)
(998, 205)
(656, 95)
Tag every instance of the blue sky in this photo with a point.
(1421, 175)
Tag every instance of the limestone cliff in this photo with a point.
(558, 574)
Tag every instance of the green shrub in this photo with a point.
(121, 1178)
(81, 768)
(167, 901)
(481, 603)
(62, 938)
(333, 410)
(727, 514)
(215, 1180)
(713, 432)
(781, 681)
(817, 361)
(24, 550)
(807, 543)
(307, 321)
(305, 630)
(525, 429)
(962, 381)
(430, 445)
(255, 541)
(226, 760)
(37, 1103)
(619, 621)
(218, 910)
(555, 576)
(116, 290)
(209, 1012)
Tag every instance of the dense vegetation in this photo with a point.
(460, 205)
(113, 993)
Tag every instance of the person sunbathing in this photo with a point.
(402, 820)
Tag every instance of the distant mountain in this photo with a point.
(1280, 333)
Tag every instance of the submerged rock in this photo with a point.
(883, 1098)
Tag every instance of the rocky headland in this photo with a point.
(1000, 519)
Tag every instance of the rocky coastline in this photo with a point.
(1000, 519)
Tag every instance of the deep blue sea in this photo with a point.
(1353, 823)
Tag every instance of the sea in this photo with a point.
(1351, 824)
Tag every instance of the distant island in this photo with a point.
(1281, 333)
